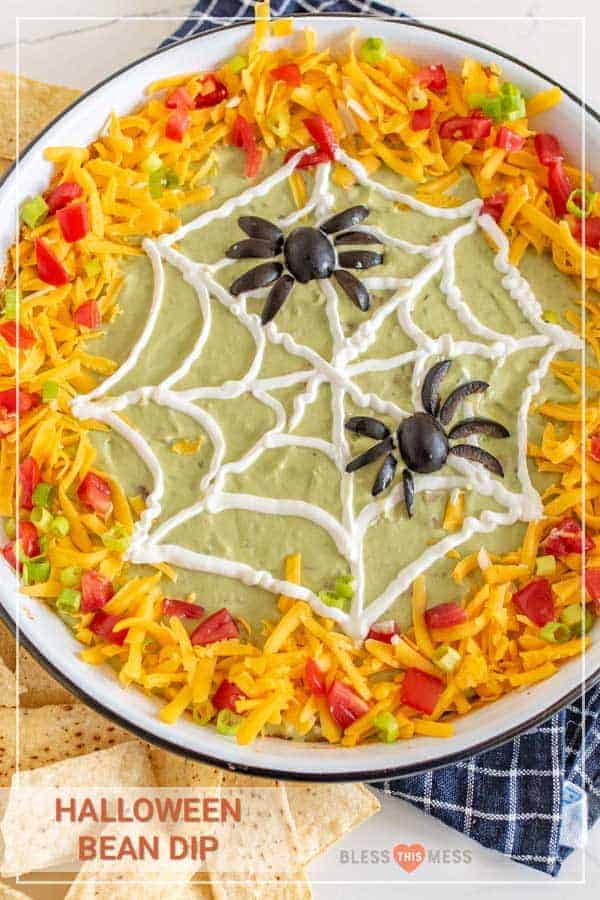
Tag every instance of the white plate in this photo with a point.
(43, 632)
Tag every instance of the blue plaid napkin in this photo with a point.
(533, 798)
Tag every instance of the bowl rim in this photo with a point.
(379, 774)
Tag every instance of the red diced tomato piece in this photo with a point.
(29, 541)
(88, 314)
(103, 624)
(227, 695)
(383, 631)
(548, 148)
(344, 704)
(535, 601)
(177, 125)
(421, 690)
(466, 128)
(566, 537)
(509, 140)
(591, 225)
(96, 591)
(242, 136)
(216, 92)
(62, 195)
(314, 678)
(218, 627)
(322, 134)
(74, 221)
(11, 399)
(290, 73)
(432, 77)
(14, 333)
(307, 160)
(29, 478)
(181, 609)
(421, 119)
(50, 269)
(179, 99)
(595, 447)
(559, 187)
(95, 493)
(445, 615)
(494, 205)
(592, 586)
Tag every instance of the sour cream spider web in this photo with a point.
(339, 372)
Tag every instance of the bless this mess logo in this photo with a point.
(408, 856)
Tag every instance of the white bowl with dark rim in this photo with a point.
(44, 634)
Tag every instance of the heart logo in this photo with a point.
(409, 856)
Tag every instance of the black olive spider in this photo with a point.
(421, 440)
(308, 254)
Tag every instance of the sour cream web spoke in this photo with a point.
(340, 373)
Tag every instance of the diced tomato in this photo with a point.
(445, 615)
(88, 314)
(74, 221)
(96, 591)
(103, 624)
(592, 586)
(290, 73)
(14, 333)
(242, 136)
(62, 195)
(314, 158)
(421, 119)
(535, 601)
(509, 140)
(559, 187)
(314, 678)
(322, 134)
(218, 627)
(592, 232)
(30, 544)
(179, 99)
(344, 704)
(216, 93)
(177, 125)
(566, 537)
(29, 478)
(10, 400)
(421, 690)
(95, 493)
(432, 77)
(181, 609)
(383, 631)
(548, 148)
(466, 128)
(595, 447)
(50, 269)
(227, 695)
(494, 205)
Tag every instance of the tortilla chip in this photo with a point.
(4, 164)
(39, 104)
(36, 686)
(298, 889)
(8, 893)
(175, 771)
(88, 888)
(8, 686)
(53, 733)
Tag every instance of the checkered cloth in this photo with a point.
(534, 797)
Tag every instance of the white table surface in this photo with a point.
(66, 44)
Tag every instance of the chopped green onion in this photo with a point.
(43, 542)
(34, 211)
(446, 658)
(60, 526)
(10, 527)
(583, 208)
(41, 518)
(68, 601)
(577, 619)
(331, 599)
(36, 570)
(518, 111)
(152, 163)
(117, 538)
(373, 50)
(509, 89)
(92, 267)
(344, 587)
(70, 577)
(42, 494)
(545, 565)
(475, 100)
(279, 123)
(198, 717)
(493, 107)
(555, 633)
(49, 391)
(10, 304)
(228, 722)
(552, 318)
(171, 179)
(513, 102)
(73, 623)
(156, 183)
(237, 63)
(387, 727)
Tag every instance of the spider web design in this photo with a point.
(348, 532)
